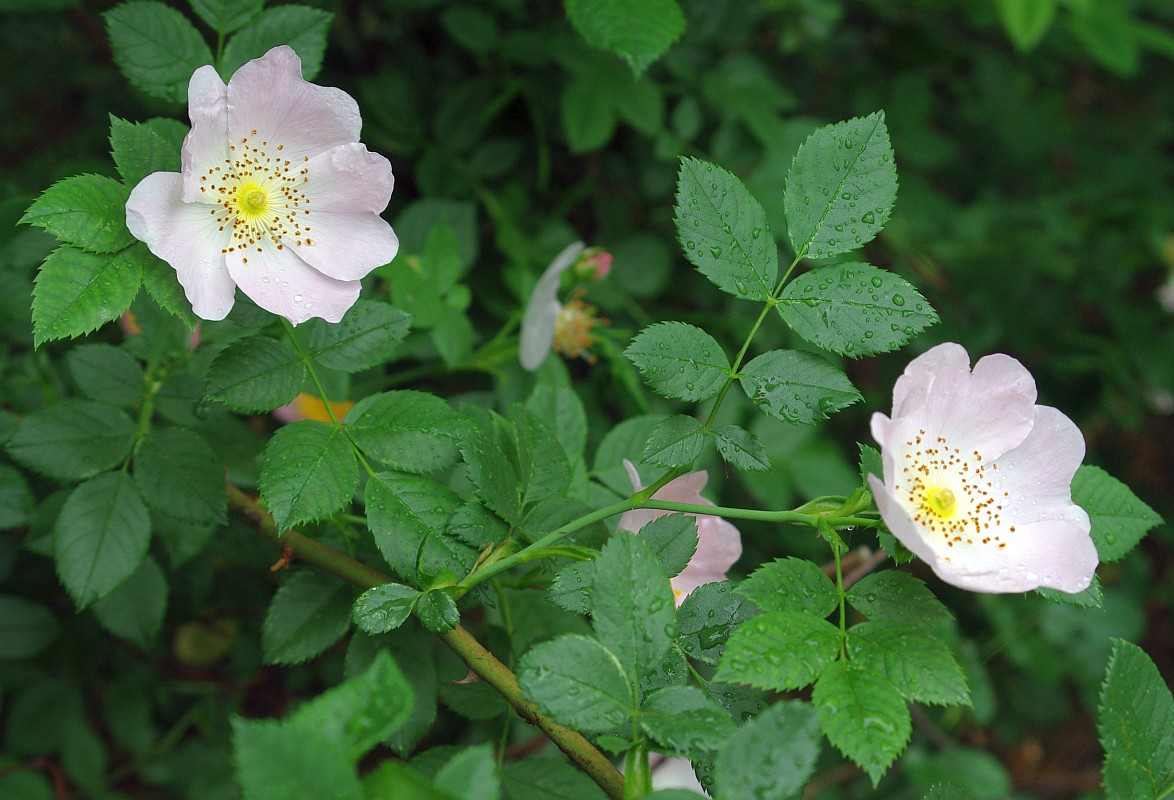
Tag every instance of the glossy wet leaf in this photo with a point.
(781, 650)
(863, 715)
(796, 387)
(791, 584)
(679, 360)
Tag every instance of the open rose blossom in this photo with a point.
(978, 477)
(719, 544)
(276, 196)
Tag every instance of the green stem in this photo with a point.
(483, 663)
(798, 517)
(289, 332)
(637, 772)
(489, 570)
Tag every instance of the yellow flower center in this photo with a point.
(573, 336)
(941, 501)
(950, 492)
(251, 201)
(259, 195)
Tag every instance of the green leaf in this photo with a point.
(542, 463)
(632, 605)
(894, 596)
(945, 791)
(309, 472)
(791, 584)
(161, 284)
(639, 31)
(796, 387)
(257, 373)
(685, 721)
(676, 442)
(1119, 519)
(1109, 34)
(139, 150)
(16, 500)
(625, 440)
(438, 611)
(493, 477)
(134, 611)
(1136, 727)
(366, 336)
(301, 27)
(679, 360)
(588, 116)
(225, 16)
(863, 715)
(855, 309)
(73, 439)
(841, 187)
(310, 612)
(277, 761)
(572, 587)
(384, 608)
(156, 48)
(562, 409)
(779, 651)
(395, 780)
(100, 537)
(86, 211)
(363, 711)
(471, 774)
(546, 779)
(406, 430)
(772, 756)
(741, 448)
(724, 231)
(917, 662)
(1026, 21)
(708, 616)
(179, 475)
(405, 512)
(578, 682)
(453, 336)
(106, 373)
(26, 628)
(673, 540)
(77, 292)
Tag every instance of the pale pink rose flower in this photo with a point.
(276, 195)
(978, 477)
(542, 311)
(719, 544)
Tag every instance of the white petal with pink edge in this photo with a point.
(345, 246)
(349, 178)
(279, 281)
(206, 145)
(268, 95)
(187, 237)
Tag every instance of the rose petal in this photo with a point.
(990, 410)
(206, 144)
(187, 237)
(542, 310)
(269, 96)
(1040, 470)
(900, 524)
(349, 178)
(279, 281)
(346, 246)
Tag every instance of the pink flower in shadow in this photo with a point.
(719, 544)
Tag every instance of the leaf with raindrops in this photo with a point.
(679, 360)
(795, 387)
(685, 721)
(841, 187)
(863, 714)
(772, 756)
(724, 231)
(855, 309)
(914, 658)
(779, 651)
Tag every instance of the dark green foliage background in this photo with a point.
(1035, 213)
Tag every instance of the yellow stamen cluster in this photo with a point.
(573, 326)
(950, 492)
(259, 194)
